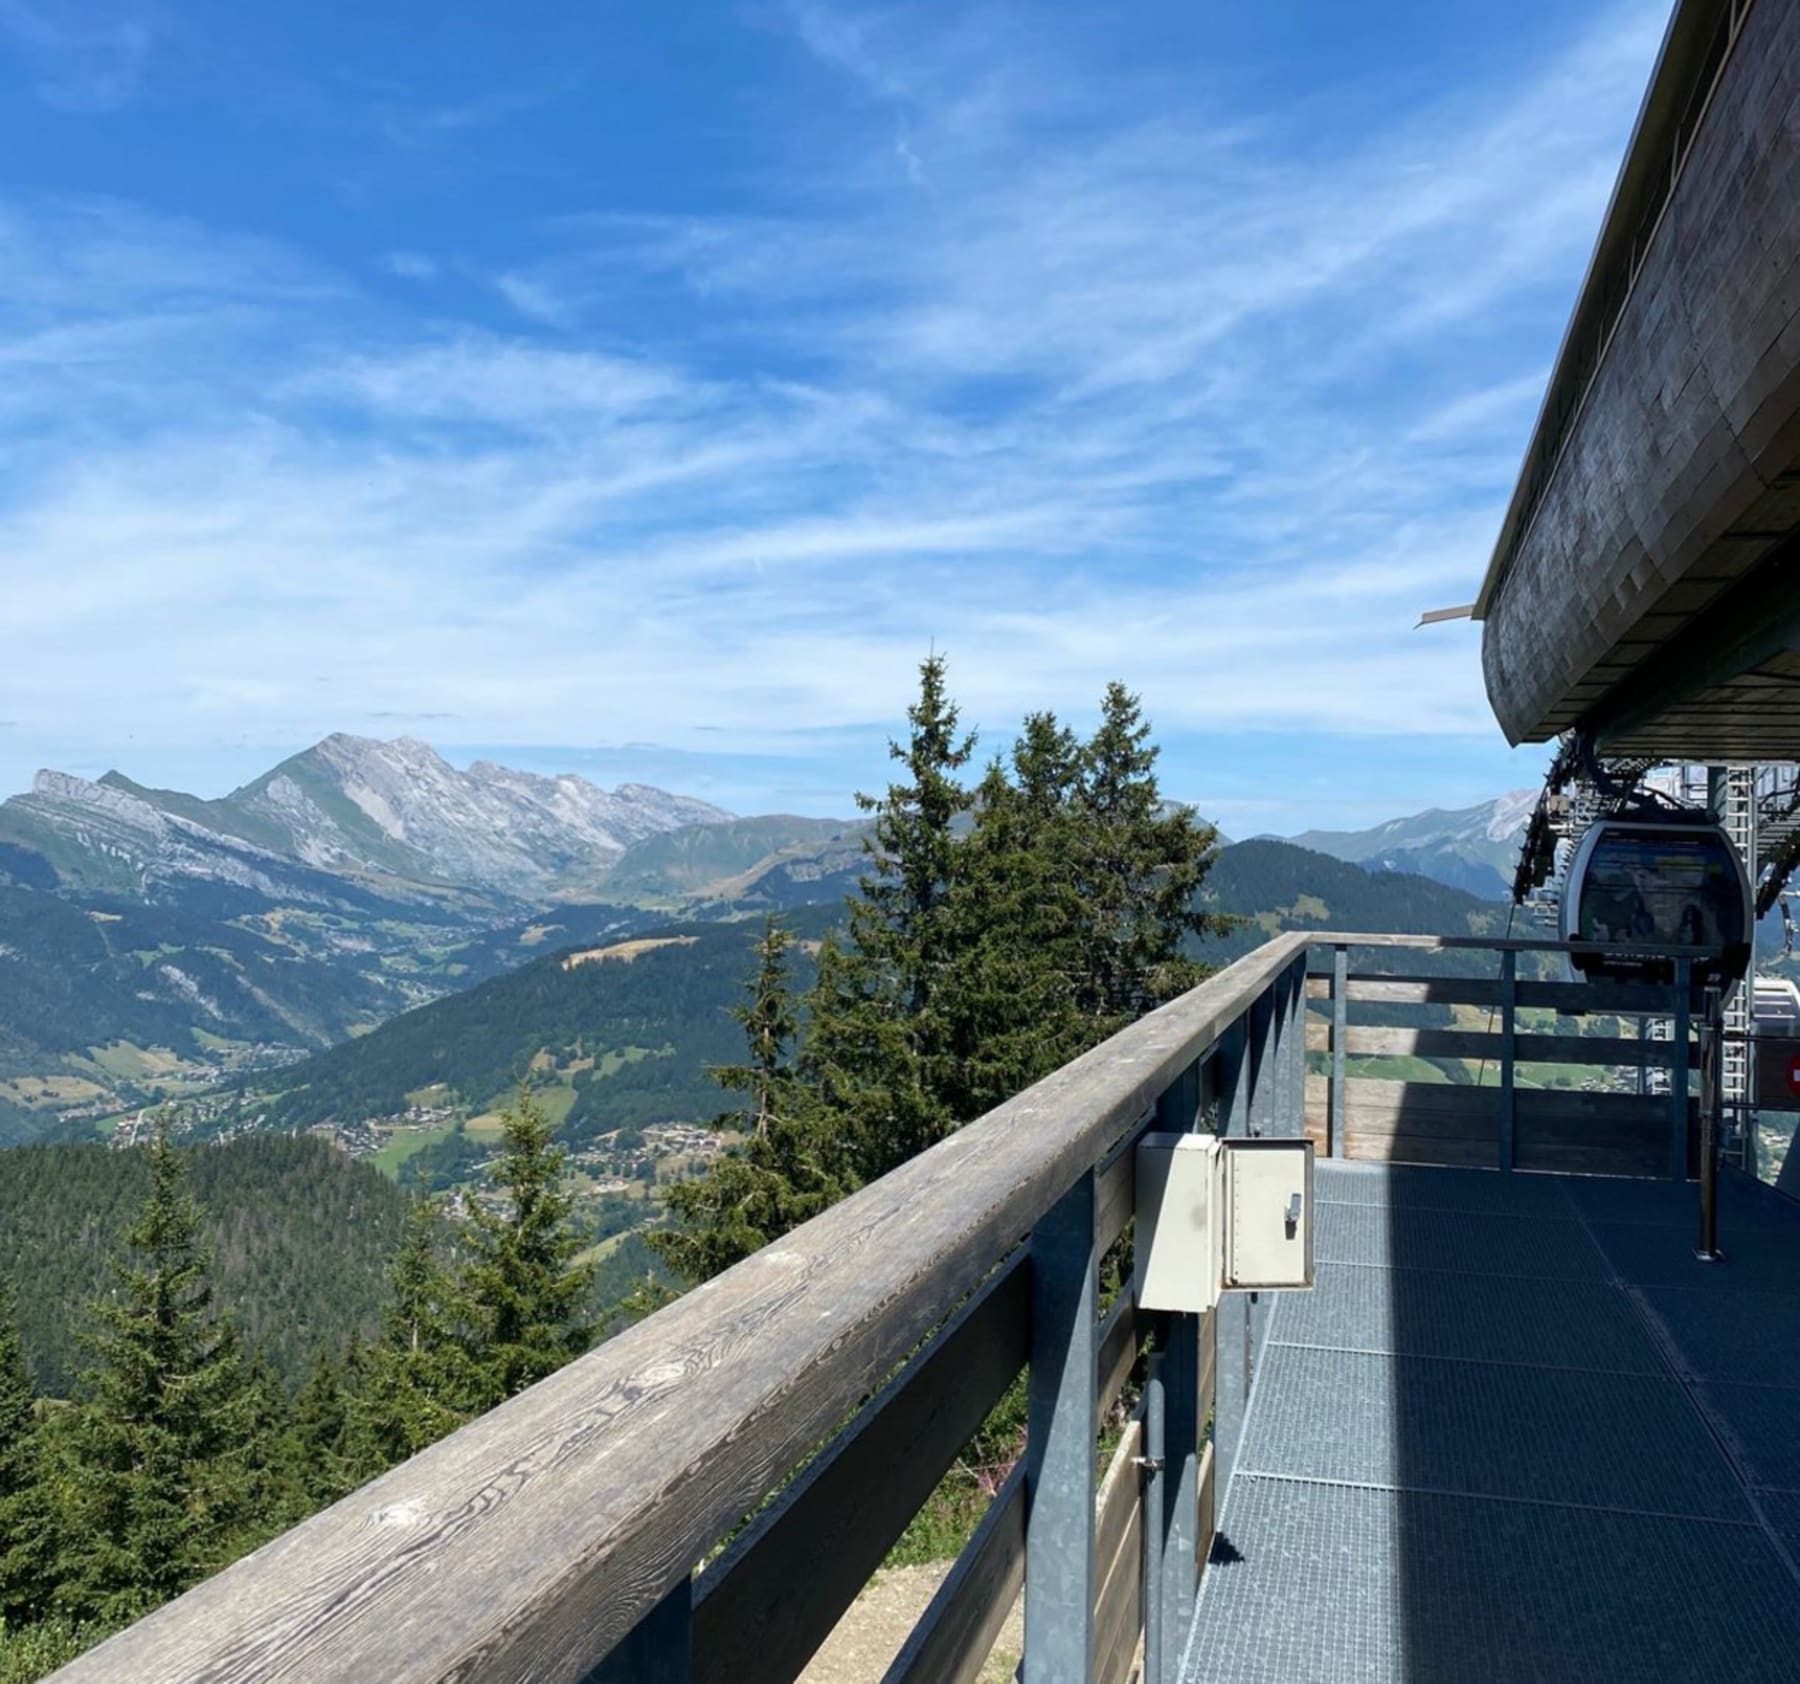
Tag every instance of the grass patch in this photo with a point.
(1394, 1070)
(34, 1092)
(611, 1061)
(135, 1063)
(404, 1143)
(40, 1649)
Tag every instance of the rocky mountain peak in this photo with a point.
(361, 807)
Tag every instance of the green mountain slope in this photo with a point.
(630, 1029)
(1470, 848)
(1278, 886)
(302, 1236)
(701, 861)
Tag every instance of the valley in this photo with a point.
(369, 942)
(154, 945)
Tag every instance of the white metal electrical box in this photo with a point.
(1221, 1215)
(1268, 1214)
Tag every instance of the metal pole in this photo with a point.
(1061, 1427)
(1155, 1440)
(1178, 1375)
(1711, 1095)
(1183, 1416)
(1340, 1030)
(1678, 1073)
(1509, 1025)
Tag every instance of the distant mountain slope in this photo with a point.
(632, 1026)
(714, 861)
(302, 1236)
(151, 941)
(1470, 848)
(1279, 886)
(113, 837)
(111, 1003)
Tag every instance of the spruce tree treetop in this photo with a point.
(795, 1159)
(161, 1485)
(770, 1021)
(25, 1520)
(1139, 865)
(878, 1046)
(527, 1297)
(419, 1381)
(913, 837)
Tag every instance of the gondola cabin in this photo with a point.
(1658, 881)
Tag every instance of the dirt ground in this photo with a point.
(870, 1634)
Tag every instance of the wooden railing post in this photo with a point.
(659, 1650)
(1678, 1072)
(1340, 1031)
(1061, 1427)
(1509, 1007)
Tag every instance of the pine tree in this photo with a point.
(1139, 867)
(319, 1449)
(769, 1021)
(274, 1500)
(417, 1383)
(878, 1047)
(793, 1162)
(25, 1535)
(527, 1297)
(1007, 994)
(160, 1478)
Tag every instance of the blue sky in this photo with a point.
(643, 390)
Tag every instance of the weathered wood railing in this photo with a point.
(823, 1387)
(1498, 1123)
(557, 1537)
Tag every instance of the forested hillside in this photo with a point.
(302, 1237)
(700, 860)
(1276, 886)
(635, 1025)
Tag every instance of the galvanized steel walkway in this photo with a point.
(1519, 1433)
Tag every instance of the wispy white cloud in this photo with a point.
(1142, 397)
(410, 265)
(83, 55)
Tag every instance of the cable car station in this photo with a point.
(1408, 1382)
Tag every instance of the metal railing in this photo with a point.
(804, 1406)
(1501, 1122)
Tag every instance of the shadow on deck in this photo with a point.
(1519, 1432)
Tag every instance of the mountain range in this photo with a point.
(154, 943)
(391, 816)
(1470, 848)
(627, 1033)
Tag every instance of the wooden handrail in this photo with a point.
(1510, 944)
(527, 1544)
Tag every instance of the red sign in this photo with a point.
(1777, 1073)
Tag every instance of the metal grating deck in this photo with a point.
(1518, 1433)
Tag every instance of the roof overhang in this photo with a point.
(1644, 587)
